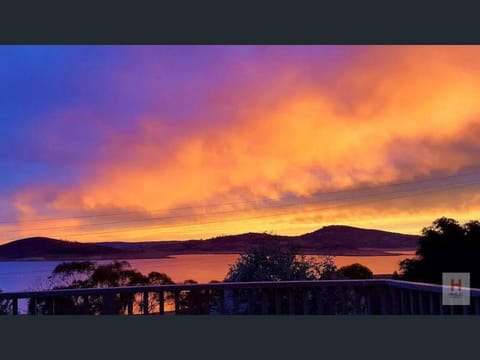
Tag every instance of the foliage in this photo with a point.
(5, 306)
(261, 263)
(196, 301)
(445, 246)
(355, 271)
(74, 275)
(275, 263)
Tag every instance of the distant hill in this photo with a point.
(47, 248)
(342, 237)
(329, 240)
(334, 240)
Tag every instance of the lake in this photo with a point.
(33, 275)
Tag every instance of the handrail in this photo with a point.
(189, 287)
(411, 285)
(228, 286)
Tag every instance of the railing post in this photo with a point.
(235, 294)
(291, 302)
(34, 302)
(451, 309)
(385, 306)
(278, 302)
(161, 303)
(412, 302)
(130, 304)
(431, 306)
(403, 308)
(85, 304)
(305, 301)
(371, 301)
(177, 302)
(221, 299)
(358, 303)
(420, 303)
(145, 303)
(229, 302)
(211, 300)
(251, 302)
(14, 306)
(383, 301)
(393, 294)
(319, 302)
(107, 304)
(376, 300)
(264, 301)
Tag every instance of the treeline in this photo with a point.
(261, 263)
(445, 246)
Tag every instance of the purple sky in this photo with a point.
(86, 130)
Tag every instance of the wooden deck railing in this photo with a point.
(356, 297)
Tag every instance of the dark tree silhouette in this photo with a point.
(276, 263)
(355, 271)
(74, 275)
(195, 301)
(445, 246)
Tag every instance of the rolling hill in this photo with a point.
(329, 240)
(47, 248)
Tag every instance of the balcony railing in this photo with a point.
(325, 297)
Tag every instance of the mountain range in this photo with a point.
(329, 240)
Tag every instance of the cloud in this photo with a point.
(267, 128)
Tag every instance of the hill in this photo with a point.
(333, 240)
(47, 248)
(329, 240)
(348, 237)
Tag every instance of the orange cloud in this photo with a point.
(366, 125)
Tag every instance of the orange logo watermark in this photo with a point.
(456, 289)
(458, 284)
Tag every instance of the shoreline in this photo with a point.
(136, 256)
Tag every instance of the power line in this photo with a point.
(413, 182)
(420, 193)
(231, 211)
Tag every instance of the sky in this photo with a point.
(135, 143)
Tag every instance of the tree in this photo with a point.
(276, 263)
(445, 246)
(355, 271)
(74, 275)
(195, 301)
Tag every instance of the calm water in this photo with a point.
(33, 275)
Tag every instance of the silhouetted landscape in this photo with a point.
(240, 180)
(329, 240)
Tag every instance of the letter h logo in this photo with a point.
(453, 284)
(456, 289)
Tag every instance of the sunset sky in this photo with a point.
(138, 143)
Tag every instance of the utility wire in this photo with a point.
(419, 192)
(412, 182)
(123, 221)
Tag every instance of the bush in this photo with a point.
(275, 263)
(355, 271)
(74, 275)
(445, 246)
